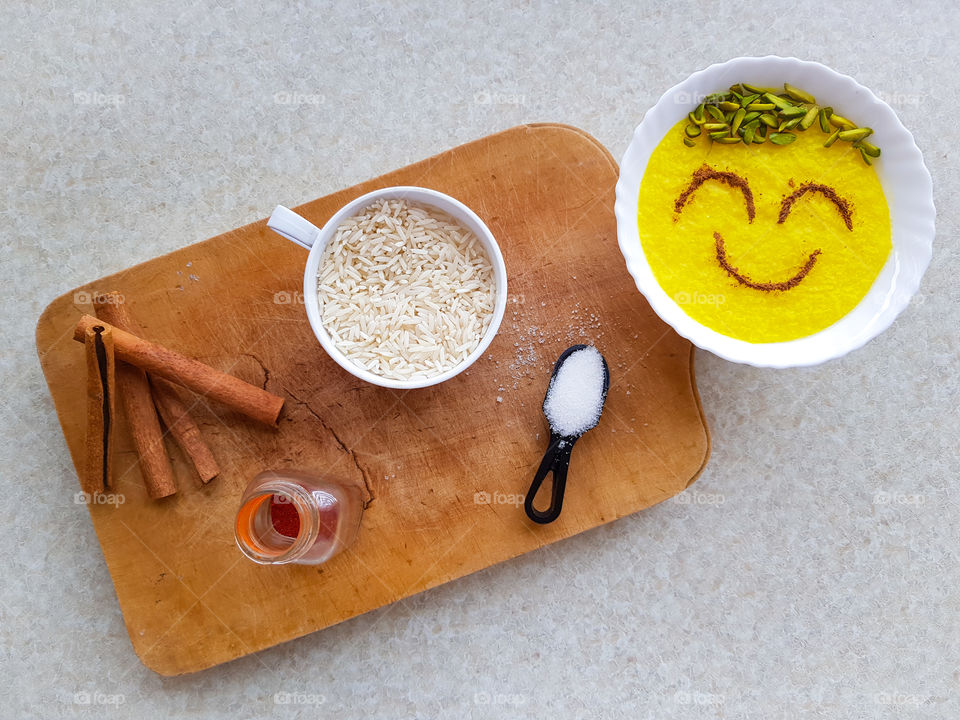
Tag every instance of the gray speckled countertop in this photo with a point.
(818, 575)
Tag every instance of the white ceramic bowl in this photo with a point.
(287, 223)
(905, 180)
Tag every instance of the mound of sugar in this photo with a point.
(575, 396)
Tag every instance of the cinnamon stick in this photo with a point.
(250, 400)
(145, 426)
(141, 415)
(170, 406)
(184, 429)
(98, 346)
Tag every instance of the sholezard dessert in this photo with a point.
(762, 216)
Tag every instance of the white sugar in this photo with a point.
(575, 397)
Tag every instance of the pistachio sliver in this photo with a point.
(728, 140)
(750, 116)
(789, 124)
(719, 134)
(841, 122)
(747, 99)
(692, 131)
(748, 135)
(728, 105)
(698, 113)
(737, 120)
(778, 101)
(798, 94)
(761, 107)
(855, 134)
(807, 120)
(693, 119)
(716, 126)
(716, 112)
(833, 138)
(769, 120)
(866, 158)
(871, 150)
(688, 142)
(793, 111)
(781, 138)
(825, 114)
(753, 89)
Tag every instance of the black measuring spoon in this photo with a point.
(557, 457)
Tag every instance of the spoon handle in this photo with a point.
(555, 460)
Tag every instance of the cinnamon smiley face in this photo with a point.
(763, 243)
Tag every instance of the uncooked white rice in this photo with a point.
(405, 292)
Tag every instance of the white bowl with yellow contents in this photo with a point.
(775, 256)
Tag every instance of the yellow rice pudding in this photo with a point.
(763, 243)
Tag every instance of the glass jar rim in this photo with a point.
(309, 526)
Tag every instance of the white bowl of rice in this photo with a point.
(404, 287)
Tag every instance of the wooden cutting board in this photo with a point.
(444, 468)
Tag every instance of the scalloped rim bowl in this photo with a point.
(905, 180)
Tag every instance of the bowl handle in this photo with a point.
(286, 223)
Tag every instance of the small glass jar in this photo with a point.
(289, 516)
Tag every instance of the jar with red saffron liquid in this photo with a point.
(288, 516)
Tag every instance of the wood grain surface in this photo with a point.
(443, 467)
